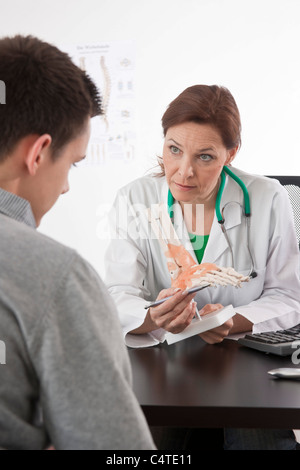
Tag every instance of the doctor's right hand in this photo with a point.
(175, 314)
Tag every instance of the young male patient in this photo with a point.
(67, 378)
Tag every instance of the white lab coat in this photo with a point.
(136, 269)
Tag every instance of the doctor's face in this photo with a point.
(193, 157)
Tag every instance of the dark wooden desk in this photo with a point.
(194, 384)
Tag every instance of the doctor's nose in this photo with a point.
(186, 168)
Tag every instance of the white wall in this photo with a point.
(250, 46)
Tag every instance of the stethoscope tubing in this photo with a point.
(247, 214)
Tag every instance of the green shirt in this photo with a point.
(199, 243)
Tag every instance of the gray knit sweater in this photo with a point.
(67, 377)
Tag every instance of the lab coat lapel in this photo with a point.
(181, 230)
(178, 222)
(217, 244)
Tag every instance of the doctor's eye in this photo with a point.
(205, 157)
(174, 150)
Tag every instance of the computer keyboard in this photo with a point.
(282, 342)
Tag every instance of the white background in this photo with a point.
(249, 46)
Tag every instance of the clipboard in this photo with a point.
(207, 322)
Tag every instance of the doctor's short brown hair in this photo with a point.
(204, 104)
(46, 93)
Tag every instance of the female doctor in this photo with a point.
(202, 135)
(201, 139)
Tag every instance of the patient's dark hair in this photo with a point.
(46, 93)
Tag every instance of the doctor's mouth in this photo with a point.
(185, 188)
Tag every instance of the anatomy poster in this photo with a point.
(112, 67)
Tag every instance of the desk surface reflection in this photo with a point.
(191, 383)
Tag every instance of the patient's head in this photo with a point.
(46, 93)
(45, 122)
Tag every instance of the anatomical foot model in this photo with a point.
(184, 273)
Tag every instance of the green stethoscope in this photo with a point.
(220, 213)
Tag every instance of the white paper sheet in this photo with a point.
(207, 322)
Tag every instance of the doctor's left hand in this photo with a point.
(216, 335)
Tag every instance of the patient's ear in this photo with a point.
(36, 153)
